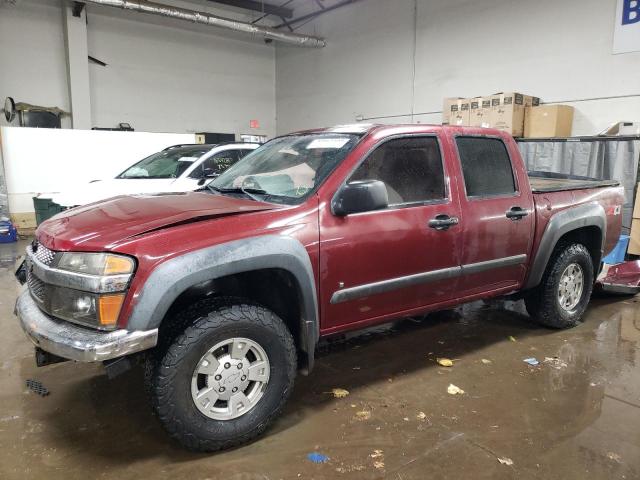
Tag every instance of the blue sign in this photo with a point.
(630, 11)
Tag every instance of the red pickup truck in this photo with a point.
(225, 292)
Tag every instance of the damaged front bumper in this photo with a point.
(78, 343)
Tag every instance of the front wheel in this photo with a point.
(225, 378)
(564, 292)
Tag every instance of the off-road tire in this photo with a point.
(542, 302)
(169, 374)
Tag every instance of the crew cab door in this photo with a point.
(378, 264)
(497, 215)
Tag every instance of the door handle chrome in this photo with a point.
(443, 222)
(516, 213)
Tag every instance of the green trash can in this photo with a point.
(45, 208)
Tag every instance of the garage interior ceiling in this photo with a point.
(268, 32)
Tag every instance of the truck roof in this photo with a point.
(391, 129)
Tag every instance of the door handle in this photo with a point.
(516, 213)
(443, 222)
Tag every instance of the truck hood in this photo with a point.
(103, 224)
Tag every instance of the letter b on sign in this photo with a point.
(626, 30)
(630, 11)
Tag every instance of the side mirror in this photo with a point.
(360, 196)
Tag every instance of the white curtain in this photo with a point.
(604, 159)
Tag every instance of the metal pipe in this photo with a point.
(213, 20)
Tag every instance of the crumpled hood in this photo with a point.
(104, 224)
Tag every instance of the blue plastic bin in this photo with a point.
(8, 232)
(619, 251)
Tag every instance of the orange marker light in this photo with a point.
(117, 264)
(109, 308)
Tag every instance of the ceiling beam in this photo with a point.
(258, 6)
(315, 14)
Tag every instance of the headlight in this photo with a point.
(93, 291)
(96, 263)
(92, 309)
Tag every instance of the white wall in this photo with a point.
(32, 55)
(47, 161)
(163, 75)
(560, 51)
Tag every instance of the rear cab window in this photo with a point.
(486, 167)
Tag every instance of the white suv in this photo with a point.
(179, 168)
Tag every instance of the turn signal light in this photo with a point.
(117, 264)
(109, 308)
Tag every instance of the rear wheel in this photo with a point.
(225, 379)
(564, 292)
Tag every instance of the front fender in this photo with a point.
(176, 275)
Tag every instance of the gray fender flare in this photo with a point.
(176, 275)
(573, 218)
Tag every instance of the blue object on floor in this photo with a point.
(316, 457)
(8, 232)
(618, 252)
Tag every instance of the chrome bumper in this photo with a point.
(77, 343)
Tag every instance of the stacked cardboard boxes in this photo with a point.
(503, 110)
(507, 111)
(455, 111)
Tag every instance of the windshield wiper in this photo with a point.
(248, 191)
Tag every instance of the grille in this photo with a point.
(42, 253)
(36, 286)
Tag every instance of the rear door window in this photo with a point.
(486, 167)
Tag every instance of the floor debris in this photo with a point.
(339, 392)
(453, 390)
(377, 454)
(38, 387)
(512, 338)
(445, 362)
(350, 468)
(316, 457)
(614, 456)
(421, 416)
(532, 361)
(378, 465)
(363, 415)
(555, 362)
(505, 461)
(486, 361)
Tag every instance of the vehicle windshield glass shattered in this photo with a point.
(169, 163)
(286, 169)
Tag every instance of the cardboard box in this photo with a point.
(460, 113)
(508, 109)
(447, 105)
(634, 241)
(548, 121)
(636, 206)
(479, 112)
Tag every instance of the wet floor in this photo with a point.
(574, 416)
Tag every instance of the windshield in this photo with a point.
(166, 164)
(286, 169)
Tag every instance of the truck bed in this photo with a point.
(542, 182)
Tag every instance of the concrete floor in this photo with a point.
(574, 417)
